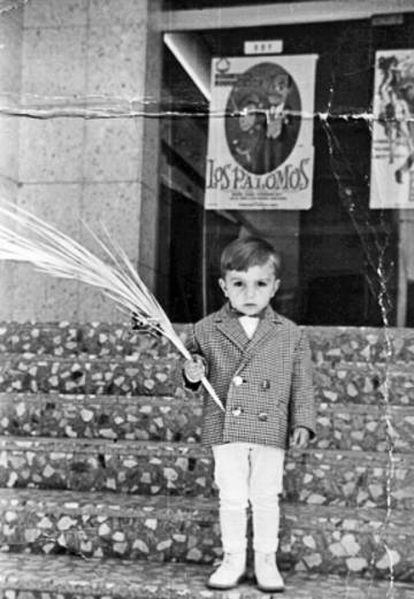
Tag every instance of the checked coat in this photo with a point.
(265, 383)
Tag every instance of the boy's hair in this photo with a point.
(244, 252)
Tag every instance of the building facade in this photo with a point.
(105, 118)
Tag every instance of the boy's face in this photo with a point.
(250, 291)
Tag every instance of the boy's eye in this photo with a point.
(237, 284)
(262, 284)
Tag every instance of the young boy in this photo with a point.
(259, 364)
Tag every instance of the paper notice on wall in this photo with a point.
(260, 150)
(392, 154)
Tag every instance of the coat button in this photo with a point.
(237, 411)
(237, 380)
(263, 416)
(265, 385)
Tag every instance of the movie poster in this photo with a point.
(260, 151)
(392, 155)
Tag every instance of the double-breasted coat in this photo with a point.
(265, 383)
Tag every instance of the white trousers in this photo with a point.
(247, 473)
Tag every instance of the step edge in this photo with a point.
(80, 445)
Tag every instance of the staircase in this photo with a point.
(106, 491)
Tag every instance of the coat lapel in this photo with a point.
(265, 330)
(230, 327)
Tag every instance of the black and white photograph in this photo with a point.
(206, 299)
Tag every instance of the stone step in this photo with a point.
(156, 418)
(161, 418)
(365, 427)
(152, 375)
(323, 539)
(67, 575)
(63, 576)
(145, 468)
(102, 339)
(137, 375)
(361, 383)
(67, 339)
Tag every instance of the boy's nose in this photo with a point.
(250, 291)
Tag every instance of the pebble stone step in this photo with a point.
(146, 375)
(68, 577)
(320, 539)
(61, 577)
(101, 339)
(157, 375)
(157, 418)
(343, 426)
(363, 377)
(71, 340)
(312, 477)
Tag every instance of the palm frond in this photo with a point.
(51, 251)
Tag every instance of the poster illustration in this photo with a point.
(392, 154)
(260, 152)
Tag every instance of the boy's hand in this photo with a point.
(136, 323)
(194, 370)
(144, 326)
(300, 437)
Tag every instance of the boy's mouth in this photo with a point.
(250, 306)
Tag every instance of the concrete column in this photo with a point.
(150, 165)
(11, 32)
(94, 58)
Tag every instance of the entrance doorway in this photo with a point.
(340, 258)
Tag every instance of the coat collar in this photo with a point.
(228, 323)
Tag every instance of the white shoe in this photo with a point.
(230, 572)
(267, 575)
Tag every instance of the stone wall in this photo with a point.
(80, 58)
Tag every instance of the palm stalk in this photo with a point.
(53, 252)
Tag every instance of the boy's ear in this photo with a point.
(222, 284)
(277, 286)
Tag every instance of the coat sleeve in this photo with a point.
(302, 404)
